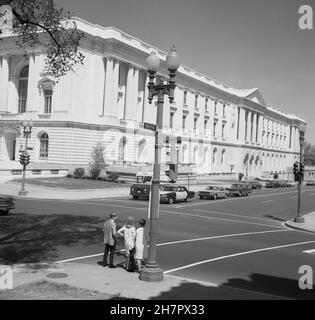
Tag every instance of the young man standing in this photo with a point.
(109, 240)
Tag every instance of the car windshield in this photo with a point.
(211, 188)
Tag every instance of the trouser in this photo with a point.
(111, 250)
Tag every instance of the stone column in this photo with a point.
(114, 109)
(30, 85)
(107, 109)
(242, 127)
(254, 135)
(4, 83)
(136, 93)
(129, 105)
(249, 126)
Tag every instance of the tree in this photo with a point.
(97, 164)
(41, 23)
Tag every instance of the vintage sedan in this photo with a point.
(239, 190)
(310, 183)
(6, 204)
(213, 192)
(170, 193)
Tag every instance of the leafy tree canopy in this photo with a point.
(32, 18)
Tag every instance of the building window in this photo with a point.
(214, 156)
(206, 124)
(215, 108)
(223, 156)
(214, 128)
(43, 150)
(171, 120)
(224, 110)
(195, 123)
(195, 154)
(184, 121)
(185, 97)
(223, 133)
(23, 84)
(48, 100)
(206, 104)
(196, 101)
(141, 147)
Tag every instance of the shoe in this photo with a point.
(112, 266)
(100, 263)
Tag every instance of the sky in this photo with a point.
(242, 43)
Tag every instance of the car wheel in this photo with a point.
(135, 197)
(170, 200)
(201, 197)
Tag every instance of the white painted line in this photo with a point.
(267, 201)
(294, 197)
(309, 251)
(182, 241)
(222, 219)
(237, 255)
(204, 283)
(231, 214)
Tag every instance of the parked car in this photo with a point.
(140, 190)
(213, 192)
(238, 189)
(270, 184)
(170, 193)
(310, 183)
(6, 204)
(254, 184)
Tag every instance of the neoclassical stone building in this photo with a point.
(224, 130)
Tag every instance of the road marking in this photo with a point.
(231, 214)
(237, 255)
(204, 283)
(214, 218)
(182, 241)
(309, 251)
(294, 197)
(267, 201)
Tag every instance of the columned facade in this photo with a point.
(223, 130)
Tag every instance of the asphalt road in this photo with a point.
(240, 243)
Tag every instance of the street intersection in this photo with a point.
(237, 243)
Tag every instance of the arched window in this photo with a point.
(23, 84)
(223, 156)
(214, 156)
(43, 150)
(141, 147)
(122, 149)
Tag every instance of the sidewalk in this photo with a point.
(106, 283)
(39, 192)
(308, 225)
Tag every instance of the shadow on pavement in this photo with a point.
(27, 238)
(274, 217)
(259, 287)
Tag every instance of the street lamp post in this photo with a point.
(151, 272)
(27, 130)
(299, 218)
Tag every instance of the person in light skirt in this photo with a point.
(141, 244)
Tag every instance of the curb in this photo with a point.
(287, 223)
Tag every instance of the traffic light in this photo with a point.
(302, 169)
(179, 140)
(22, 158)
(295, 168)
(27, 159)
